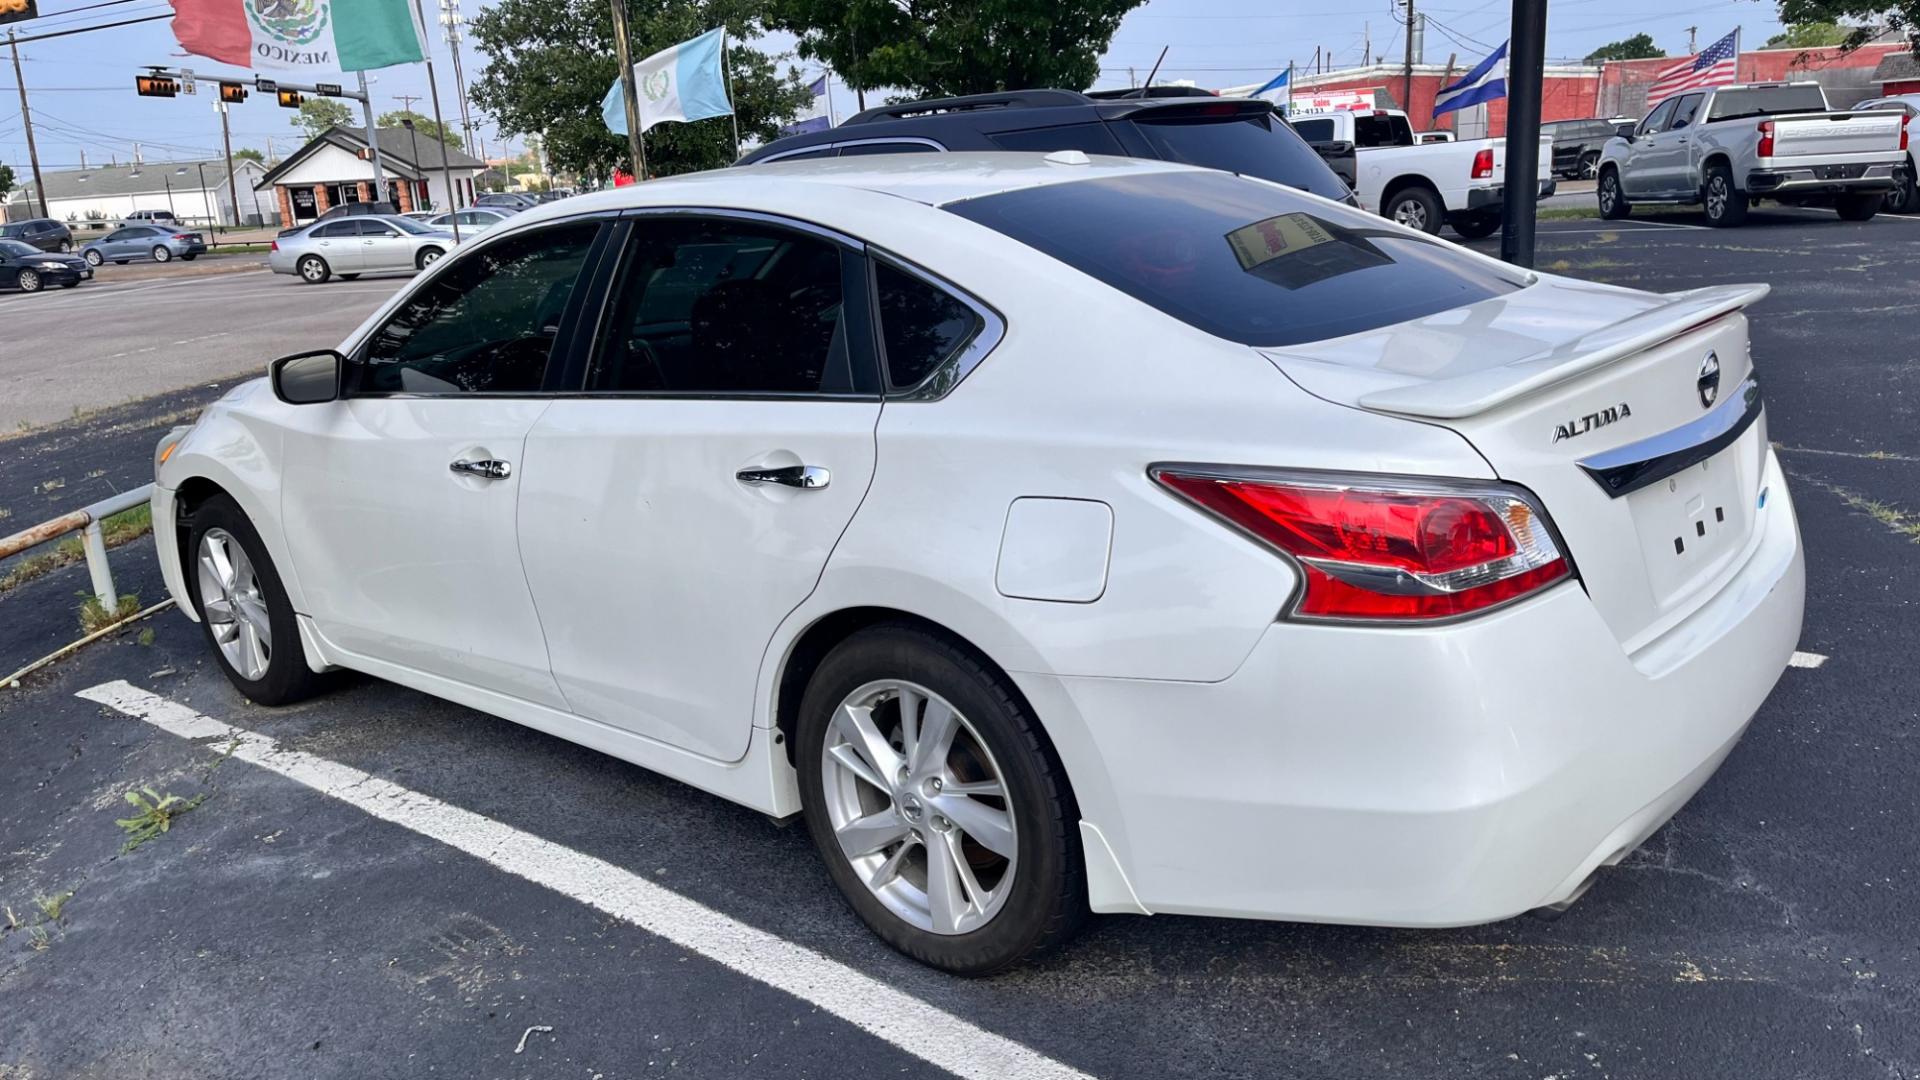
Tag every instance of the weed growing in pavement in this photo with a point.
(95, 616)
(37, 937)
(51, 906)
(156, 816)
(146, 637)
(115, 530)
(5, 513)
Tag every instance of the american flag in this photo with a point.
(1717, 65)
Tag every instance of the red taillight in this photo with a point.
(1765, 148)
(1903, 131)
(1483, 163)
(1387, 550)
(182, 236)
(273, 245)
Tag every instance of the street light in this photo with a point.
(412, 137)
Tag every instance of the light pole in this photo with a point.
(414, 139)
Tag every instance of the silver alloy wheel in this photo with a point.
(919, 806)
(1716, 195)
(66, 247)
(161, 253)
(234, 607)
(28, 281)
(312, 269)
(1411, 214)
(94, 258)
(429, 257)
(1609, 191)
(1589, 167)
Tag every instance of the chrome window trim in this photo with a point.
(816, 148)
(961, 363)
(1626, 469)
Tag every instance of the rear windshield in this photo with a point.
(1260, 145)
(1241, 260)
(1382, 129)
(1767, 101)
(1320, 130)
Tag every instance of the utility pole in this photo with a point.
(636, 145)
(373, 137)
(446, 167)
(1406, 100)
(1692, 32)
(406, 101)
(33, 152)
(451, 20)
(1526, 68)
(226, 145)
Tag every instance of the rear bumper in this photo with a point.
(1433, 777)
(1491, 198)
(1823, 179)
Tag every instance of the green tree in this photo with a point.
(945, 48)
(318, 114)
(1860, 20)
(1814, 35)
(424, 126)
(248, 153)
(6, 181)
(550, 62)
(1637, 47)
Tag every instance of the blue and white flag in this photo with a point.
(1278, 90)
(682, 83)
(819, 117)
(1487, 81)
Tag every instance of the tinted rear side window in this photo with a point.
(920, 325)
(864, 149)
(1259, 146)
(1767, 101)
(1244, 261)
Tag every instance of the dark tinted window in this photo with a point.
(1656, 121)
(921, 325)
(1247, 262)
(1684, 109)
(334, 230)
(1260, 145)
(1767, 101)
(139, 234)
(1316, 130)
(719, 306)
(808, 155)
(1088, 138)
(483, 325)
(1382, 130)
(886, 148)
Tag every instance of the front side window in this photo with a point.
(1249, 262)
(1656, 121)
(1683, 112)
(921, 325)
(718, 306)
(484, 325)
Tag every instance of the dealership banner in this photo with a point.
(302, 35)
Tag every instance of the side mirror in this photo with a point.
(308, 378)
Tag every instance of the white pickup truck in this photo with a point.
(1423, 185)
(1724, 147)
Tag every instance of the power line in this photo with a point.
(90, 29)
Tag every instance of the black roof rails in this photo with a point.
(1151, 92)
(1030, 99)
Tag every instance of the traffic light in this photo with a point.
(290, 99)
(233, 93)
(155, 86)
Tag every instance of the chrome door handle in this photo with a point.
(485, 469)
(806, 477)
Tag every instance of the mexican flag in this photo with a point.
(302, 35)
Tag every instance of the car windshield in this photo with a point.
(15, 247)
(1241, 260)
(1767, 101)
(1260, 145)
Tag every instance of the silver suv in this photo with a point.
(1905, 196)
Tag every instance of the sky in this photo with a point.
(81, 87)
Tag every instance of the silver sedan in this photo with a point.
(351, 246)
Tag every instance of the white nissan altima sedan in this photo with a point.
(1056, 534)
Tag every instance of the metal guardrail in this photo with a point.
(86, 522)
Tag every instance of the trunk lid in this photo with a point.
(1827, 134)
(1597, 399)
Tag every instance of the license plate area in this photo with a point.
(1692, 522)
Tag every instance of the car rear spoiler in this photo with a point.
(1480, 391)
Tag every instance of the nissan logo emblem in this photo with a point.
(1709, 381)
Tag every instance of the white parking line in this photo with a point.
(1806, 660)
(915, 1026)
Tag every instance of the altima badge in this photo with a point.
(1709, 382)
(1589, 422)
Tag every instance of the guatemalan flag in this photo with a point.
(818, 117)
(302, 35)
(1485, 82)
(682, 83)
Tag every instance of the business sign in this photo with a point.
(1310, 102)
(18, 10)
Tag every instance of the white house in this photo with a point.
(195, 191)
(337, 167)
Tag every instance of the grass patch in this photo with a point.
(94, 615)
(157, 814)
(115, 530)
(1904, 522)
(237, 249)
(51, 906)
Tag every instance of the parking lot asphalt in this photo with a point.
(397, 886)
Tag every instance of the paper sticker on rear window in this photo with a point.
(1266, 240)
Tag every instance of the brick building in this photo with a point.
(336, 167)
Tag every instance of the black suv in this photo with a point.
(43, 233)
(1239, 135)
(1576, 146)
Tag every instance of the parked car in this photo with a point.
(1053, 534)
(507, 200)
(155, 217)
(1577, 145)
(1461, 183)
(43, 233)
(130, 242)
(477, 218)
(1239, 135)
(359, 209)
(356, 245)
(1724, 147)
(1905, 196)
(29, 269)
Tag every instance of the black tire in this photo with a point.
(66, 247)
(1725, 204)
(69, 284)
(1415, 207)
(1048, 900)
(427, 257)
(28, 281)
(313, 269)
(94, 258)
(287, 678)
(189, 258)
(162, 253)
(1905, 196)
(1611, 199)
(1475, 224)
(349, 277)
(1859, 207)
(120, 262)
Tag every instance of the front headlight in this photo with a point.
(53, 266)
